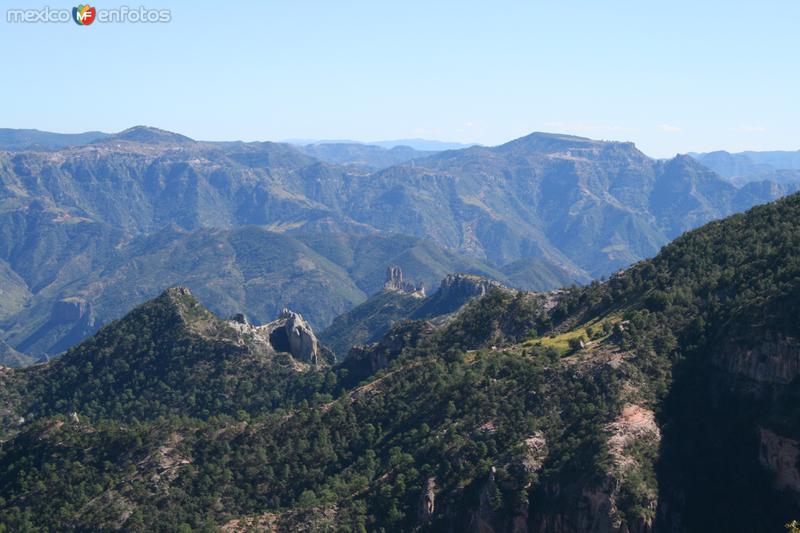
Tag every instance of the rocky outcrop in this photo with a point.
(70, 310)
(466, 286)
(427, 501)
(289, 333)
(776, 359)
(71, 320)
(535, 452)
(240, 318)
(369, 359)
(780, 456)
(303, 344)
(379, 354)
(365, 360)
(490, 514)
(633, 441)
(395, 282)
(394, 278)
(482, 519)
(594, 504)
(454, 291)
(635, 426)
(594, 509)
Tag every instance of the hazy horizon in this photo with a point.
(672, 78)
(388, 143)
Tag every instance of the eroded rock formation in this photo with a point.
(395, 282)
(289, 333)
(774, 360)
(303, 344)
(71, 310)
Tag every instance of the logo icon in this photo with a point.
(83, 15)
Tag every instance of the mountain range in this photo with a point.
(89, 228)
(745, 167)
(423, 145)
(362, 156)
(662, 399)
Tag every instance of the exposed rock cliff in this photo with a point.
(466, 285)
(454, 291)
(364, 361)
(427, 501)
(394, 278)
(631, 440)
(780, 456)
(482, 518)
(394, 282)
(368, 321)
(775, 359)
(303, 343)
(73, 309)
(289, 333)
(70, 320)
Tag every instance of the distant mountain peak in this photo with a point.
(745, 167)
(182, 304)
(424, 145)
(685, 163)
(684, 159)
(179, 293)
(557, 142)
(151, 135)
(31, 139)
(543, 135)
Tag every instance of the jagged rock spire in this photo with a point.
(394, 278)
(395, 282)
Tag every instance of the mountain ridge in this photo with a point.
(540, 211)
(370, 320)
(750, 166)
(249, 270)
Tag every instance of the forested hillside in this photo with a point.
(662, 399)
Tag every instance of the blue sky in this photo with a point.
(671, 76)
